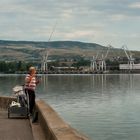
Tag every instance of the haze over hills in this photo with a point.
(30, 50)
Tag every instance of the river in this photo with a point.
(103, 107)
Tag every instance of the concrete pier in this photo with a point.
(49, 126)
(53, 126)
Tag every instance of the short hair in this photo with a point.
(32, 69)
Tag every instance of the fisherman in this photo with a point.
(30, 85)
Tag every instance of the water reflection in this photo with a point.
(102, 106)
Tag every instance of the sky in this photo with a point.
(114, 22)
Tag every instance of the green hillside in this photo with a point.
(27, 50)
(30, 50)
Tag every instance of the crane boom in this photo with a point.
(124, 47)
(108, 50)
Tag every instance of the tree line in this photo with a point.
(23, 66)
(13, 67)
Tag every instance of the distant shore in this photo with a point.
(79, 72)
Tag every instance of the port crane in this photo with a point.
(129, 57)
(102, 60)
(93, 63)
(98, 62)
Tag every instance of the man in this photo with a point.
(30, 86)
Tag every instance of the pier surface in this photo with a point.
(14, 129)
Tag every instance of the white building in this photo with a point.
(129, 67)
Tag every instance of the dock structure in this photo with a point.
(49, 126)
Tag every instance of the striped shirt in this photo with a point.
(30, 82)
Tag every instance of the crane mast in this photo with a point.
(102, 60)
(44, 65)
(93, 64)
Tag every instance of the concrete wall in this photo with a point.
(5, 101)
(53, 126)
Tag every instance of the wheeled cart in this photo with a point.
(19, 108)
(16, 111)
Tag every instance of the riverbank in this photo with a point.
(81, 72)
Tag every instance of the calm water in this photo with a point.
(104, 107)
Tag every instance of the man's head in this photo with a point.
(32, 70)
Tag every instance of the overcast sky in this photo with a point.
(115, 22)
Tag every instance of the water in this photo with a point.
(104, 107)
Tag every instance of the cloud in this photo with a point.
(84, 20)
(135, 5)
(118, 17)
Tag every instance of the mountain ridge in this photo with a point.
(52, 43)
(33, 50)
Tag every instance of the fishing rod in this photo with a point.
(46, 52)
(53, 29)
(52, 32)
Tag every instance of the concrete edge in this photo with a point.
(37, 131)
(54, 127)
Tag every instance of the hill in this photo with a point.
(30, 50)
